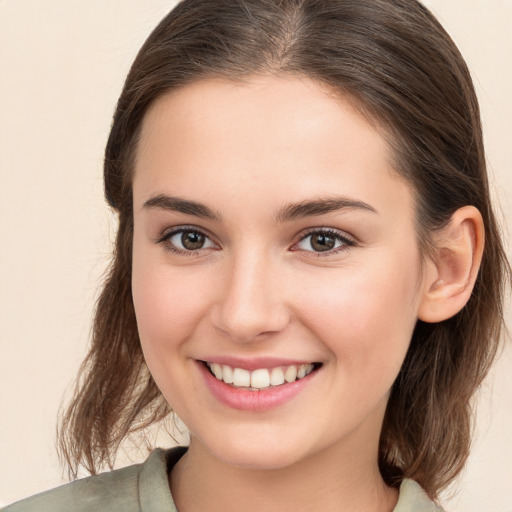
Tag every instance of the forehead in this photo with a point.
(264, 103)
(268, 135)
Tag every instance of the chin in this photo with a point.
(256, 455)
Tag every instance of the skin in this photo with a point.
(258, 289)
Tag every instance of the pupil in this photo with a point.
(321, 242)
(192, 240)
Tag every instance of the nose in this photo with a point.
(251, 302)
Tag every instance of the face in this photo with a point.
(276, 270)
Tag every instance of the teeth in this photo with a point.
(277, 377)
(217, 370)
(227, 374)
(261, 378)
(291, 374)
(241, 378)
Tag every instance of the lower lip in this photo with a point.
(246, 400)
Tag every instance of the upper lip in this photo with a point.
(255, 363)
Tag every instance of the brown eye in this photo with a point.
(324, 240)
(192, 240)
(188, 240)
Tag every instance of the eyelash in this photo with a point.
(345, 240)
(165, 240)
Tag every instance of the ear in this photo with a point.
(453, 269)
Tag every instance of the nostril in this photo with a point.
(247, 307)
(245, 334)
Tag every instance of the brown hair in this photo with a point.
(398, 65)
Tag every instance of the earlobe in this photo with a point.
(454, 267)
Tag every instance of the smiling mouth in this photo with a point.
(261, 378)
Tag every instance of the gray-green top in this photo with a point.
(145, 488)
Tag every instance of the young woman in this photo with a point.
(308, 270)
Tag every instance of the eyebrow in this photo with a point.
(176, 204)
(288, 212)
(320, 206)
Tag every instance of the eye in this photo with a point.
(324, 241)
(185, 240)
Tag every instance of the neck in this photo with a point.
(331, 480)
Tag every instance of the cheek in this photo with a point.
(167, 311)
(365, 316)
(168, 304)
(159, 305)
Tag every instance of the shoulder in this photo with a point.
(93, 493)
(135, 488)
(413, 497)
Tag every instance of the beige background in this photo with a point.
(62, 64)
